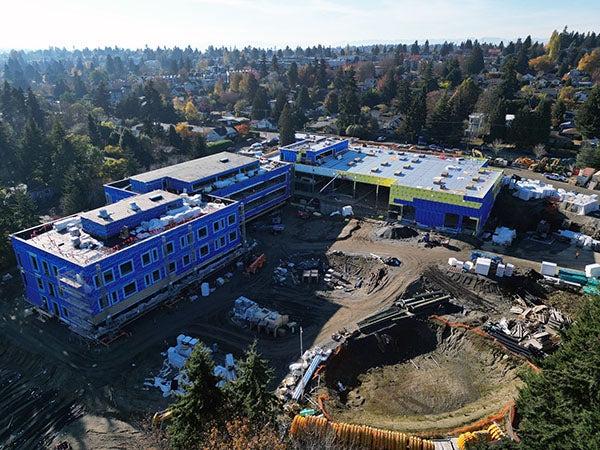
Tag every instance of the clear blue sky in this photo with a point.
(270, 23)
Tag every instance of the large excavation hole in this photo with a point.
(419, 377)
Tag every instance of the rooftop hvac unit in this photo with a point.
(224, 160)
(471, 187)
(422, 155)
(385, 164)
(401, 153)
(407, 166)
(398, 173)
(416, 160)
(445, 174)
(357, 160)
(351, 163)
(375, 169)
(75, 241)
(476, 178)
(438, 180)
(103, 213)
(134, 206)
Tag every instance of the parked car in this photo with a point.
(555, 177)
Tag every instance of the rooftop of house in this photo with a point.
(198, 169)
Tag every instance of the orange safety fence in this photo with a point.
(361, 436)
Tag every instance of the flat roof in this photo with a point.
(197, 169)
(416, 170)
(123, 208)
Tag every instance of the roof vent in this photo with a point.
(224, 160)
(407, 166)
(375, 169)
(134, 206)
(398, 173)
(445, 174)
(156, 198)
(471, 187)
(476, 178)
(438, 180)
(385, 164)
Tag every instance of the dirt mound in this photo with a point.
(420, 378)
(398, 233)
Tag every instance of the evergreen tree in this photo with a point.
(509, 85)
(474, 62)
(588, 116)
(35, 156)
(101, 97)
(441, 126)
(292, 75)
(17, 212)
(303, 100)
(331, 102)
(9, 156)
(415, 119)
(287, 132)
(464, 99)
(559, 108)
(62, 155)
(560, 406)
(349, 105)
(403, 97)
(34, 110)
(250, 395)
(260, 105)
(200, 406)
(388, 86)
(280, 102)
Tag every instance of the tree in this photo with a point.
(559, 108)
(542, 63)
(510, 84)
(441, 126)
(287, 132)
(403, 97)
(9, 156)
(191, 112)
(331, 102)
(260, 105)
(17, 212)
(248, 86)
(292, 75)
(249, 395)
(34, 109)
(349, 105)
(242, 434)
(588, 156)
(560, 406)
(590, 62)
(101, 97)
(588, 116)
(464, 99)
(474, 62)
(553, 46)
(387, 86)
(196, 411)
(303, 100)
(415, 119)
(280, 101)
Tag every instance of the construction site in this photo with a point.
(413, 331)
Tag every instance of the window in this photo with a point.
(156, 275)
(169, 248)
(55, 270)
(40, 284)
(233, 236)
(65, 312)
(154, 254)
(51, 290)
(186, 260)
(126, 268)
(218, 225)
(46, 268)
(97, 280)
(108, 276)
(221, 242)
(34, 262)
(103, 302)
(202, 232)
(204, 250)
(129, 289)
(172, 267)
(45, 303)
(114, 296)
(148, 280)
(185, 240)
(146, 259)
(231, 219)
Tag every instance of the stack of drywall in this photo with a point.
(533, 189)
(500, 270)
(503, 236)
(455, 263)
(482, 266)
(508, 270)
(580, 239)
(549, 269)
(592, 270)
(580, 204)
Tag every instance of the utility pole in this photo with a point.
(301, 346)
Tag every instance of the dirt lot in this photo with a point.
(94, 387)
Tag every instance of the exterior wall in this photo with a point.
(250, 192)
(49, 279)
(92, 275)
(114, 194)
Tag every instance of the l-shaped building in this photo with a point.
(159, 231)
